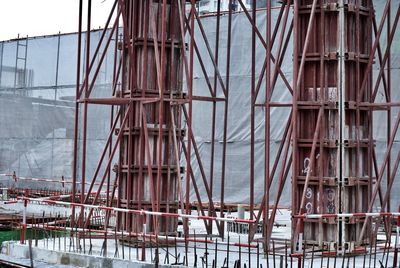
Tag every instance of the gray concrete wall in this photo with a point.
(16, 250)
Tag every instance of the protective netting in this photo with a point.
(37, 105)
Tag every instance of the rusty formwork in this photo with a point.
(146, 108)
(332, 158)
(333, 138)
(148, 168)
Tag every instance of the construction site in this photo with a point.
(211, 133)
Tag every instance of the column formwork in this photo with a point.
(148, 168)
(333, 140)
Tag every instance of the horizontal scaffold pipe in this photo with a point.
(146, 235)
(135, 211)
(17, 178)
(348, 215)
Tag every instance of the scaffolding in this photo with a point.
(320, 76)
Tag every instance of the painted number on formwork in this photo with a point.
(309, 208)
(309, 193)
(330, 197)
(309, 205)
(306, 164)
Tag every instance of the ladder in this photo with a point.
(20, 64)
